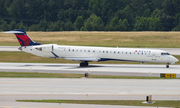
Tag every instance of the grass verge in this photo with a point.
(109, 39)
(39, 75)
(29, 58)
(69, 75)
(175, 104)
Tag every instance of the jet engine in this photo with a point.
(47, 48)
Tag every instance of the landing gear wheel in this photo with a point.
(167, 66)
(83, 64)
(86, 63)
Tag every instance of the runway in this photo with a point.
(12, 89)
(98, 69)
(9, 48)
(89, 86)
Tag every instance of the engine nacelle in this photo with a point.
(47, 48)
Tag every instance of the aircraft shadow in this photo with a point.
(136, 67)
(46, 65)
(96, 66)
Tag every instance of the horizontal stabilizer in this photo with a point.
(13, 32)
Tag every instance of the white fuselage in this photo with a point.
(83, 53)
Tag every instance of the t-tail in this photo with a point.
(23, 38)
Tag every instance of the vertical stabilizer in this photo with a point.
(23, 38)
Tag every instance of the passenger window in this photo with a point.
(103, 51)
(88, 50)
(69, 50)
(94, 51)
(80, 50)
(114, 51)
(73, 50)
(84, 50)
(130, 53)
(106, 51)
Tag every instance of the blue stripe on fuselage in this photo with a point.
(56, 56)
(109, 59)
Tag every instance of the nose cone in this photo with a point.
(20, 48)
(174, 59)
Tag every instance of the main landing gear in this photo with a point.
(167, 66)
(84, 64)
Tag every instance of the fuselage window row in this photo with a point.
(80, 50)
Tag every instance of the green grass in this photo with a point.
(39, 75)
(69, 75)
(109, 39)
(29, 58)
(175, 104)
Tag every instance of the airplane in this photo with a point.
(86, 54)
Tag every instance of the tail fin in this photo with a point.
(23, 38)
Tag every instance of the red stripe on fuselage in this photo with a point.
(25, 39)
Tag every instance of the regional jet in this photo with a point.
(85, 54)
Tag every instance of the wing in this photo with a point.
(82, 59)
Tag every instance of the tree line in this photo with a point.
(90, 15)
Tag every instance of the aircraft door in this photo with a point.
(154, 56)
(158, 56)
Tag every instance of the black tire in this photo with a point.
(167, 66)
(86, 63)
(81, 64)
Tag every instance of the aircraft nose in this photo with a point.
(174, 59)
(177, 60)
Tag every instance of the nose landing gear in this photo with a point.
(84, 64)
(167, 66)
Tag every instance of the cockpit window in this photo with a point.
(165, 54)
